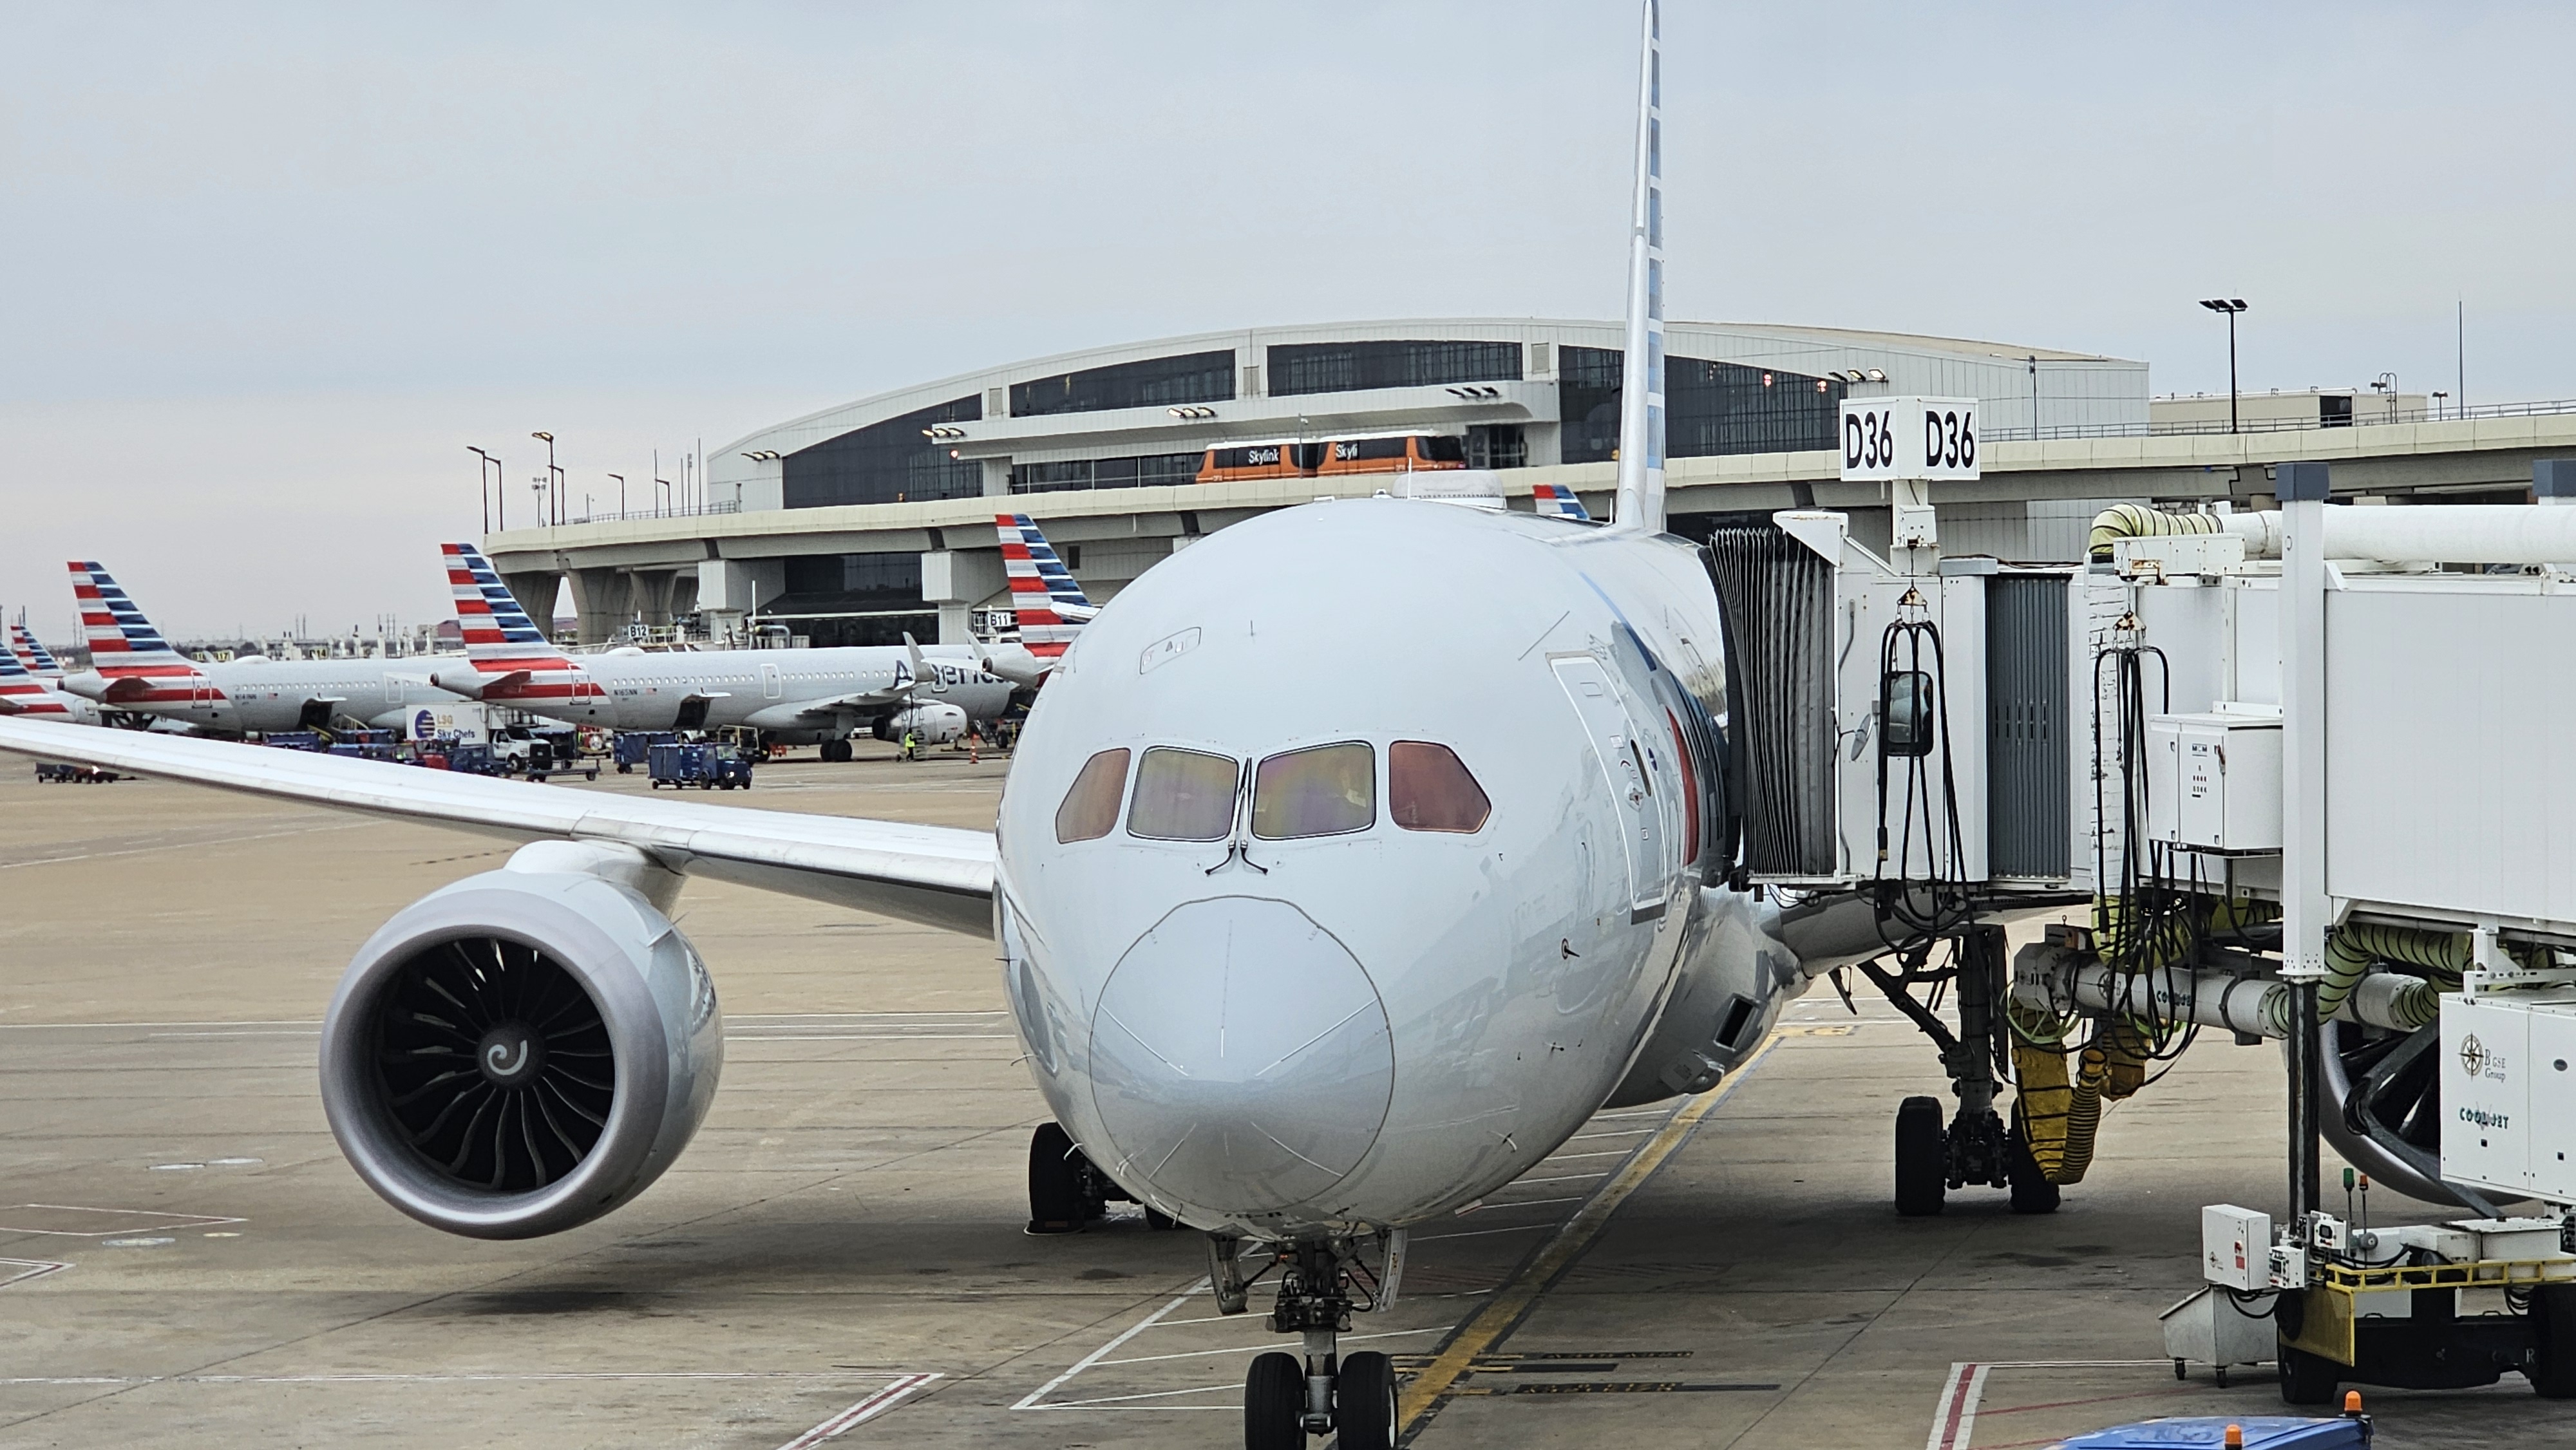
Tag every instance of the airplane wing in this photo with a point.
(934, 875)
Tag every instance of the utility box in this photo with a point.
(2214, 782)
(2508, 1066)
(2235, 1244)
(2211, 1328)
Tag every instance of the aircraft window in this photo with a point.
(1183, 795)
(1090, 809)
(1428, 788)
(1325, 791)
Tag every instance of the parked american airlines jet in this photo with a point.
(22, 693)
(794, 696)
(1291, 961)
(133, 669)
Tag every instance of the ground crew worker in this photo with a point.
(911, 747)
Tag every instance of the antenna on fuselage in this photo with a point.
(1640, 503)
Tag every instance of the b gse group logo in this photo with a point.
(2477, 1060)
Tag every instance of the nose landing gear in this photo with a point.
(1351, 1397)
(1975, 1147)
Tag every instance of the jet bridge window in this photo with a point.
(1090, 809)
(1905, 714)
(1428, 788)
(1330, 790)
(1183, 795)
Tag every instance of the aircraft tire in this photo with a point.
(1274, 1403)
(1055, 1182)
(1922, 1157)
(1364, 1402)
(2031, 1190)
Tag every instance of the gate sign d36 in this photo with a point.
(1886, 438)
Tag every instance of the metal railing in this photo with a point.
(2366, 413)
(613, 516)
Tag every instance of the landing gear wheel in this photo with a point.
(1364, 1402)
(836, 751)
(1922, 1158)
(2307, 1379)
(2031, 1190)
(2553, 1334)
(1274, 1403)
(1055, 1182)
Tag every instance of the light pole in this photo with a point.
(2231, 306)
(537, 486)
(2439, 397)
(621, 496)
(551, 471)
(483, 488)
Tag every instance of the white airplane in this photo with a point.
(1292, 962)
(796, 697)
(133, 670)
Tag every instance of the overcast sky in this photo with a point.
(271, 269)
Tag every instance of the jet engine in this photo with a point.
(522, 1051)
(934, 722)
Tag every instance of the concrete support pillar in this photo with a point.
(955, 624)
(603, 598)
(956, 580)
(997, 477)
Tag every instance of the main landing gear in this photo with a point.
(1287, 1397)
(1975, 1147)
(1066, 1192)
(836, 752)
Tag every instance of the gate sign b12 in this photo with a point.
(1887, 438)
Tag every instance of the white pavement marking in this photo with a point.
(1266, 1344)
(159, 1220)
(1954, 1416)
(27, 1269)
(860, 1413)
(1104, 1351)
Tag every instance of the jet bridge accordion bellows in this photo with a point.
(1777, 600)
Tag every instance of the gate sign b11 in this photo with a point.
(1887, 438)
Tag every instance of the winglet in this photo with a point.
(1641, 394)
(922, 673)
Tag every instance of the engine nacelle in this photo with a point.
(522, 1051)
(933, 722)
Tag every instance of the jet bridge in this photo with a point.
(2297, 767)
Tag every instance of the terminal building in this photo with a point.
(873, 519)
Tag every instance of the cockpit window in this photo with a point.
(1090, 809)
(1428, 789)
(1325, 791)
(1183, 795)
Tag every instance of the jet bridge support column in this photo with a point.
(2305, 911)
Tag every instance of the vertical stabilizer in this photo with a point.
(32, 654)
(1641, 398)
(116, 631)
(1558, 501)
(1050, 605)
(498, 632)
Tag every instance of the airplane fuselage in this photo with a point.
(261, 696)
(1341, 995)
(792, 694)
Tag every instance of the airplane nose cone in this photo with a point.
(1240, 1058)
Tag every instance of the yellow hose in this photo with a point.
(2137, 521)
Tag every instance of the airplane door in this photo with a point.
(771, 687)
(1617, 744)
(393, 691)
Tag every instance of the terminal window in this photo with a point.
(888, 462)
(1147, 471)
(1710, 408)
(1341, 367)
(1198, 377)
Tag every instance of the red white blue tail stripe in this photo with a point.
(501, 640)
(21, 693)
(140, 667)
(32, 654)
(1042, 589)
(1559, 501)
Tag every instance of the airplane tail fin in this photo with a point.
(1051, 606)
(31, 653)
(117, 632)
(497, 630)
(1558, 500)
